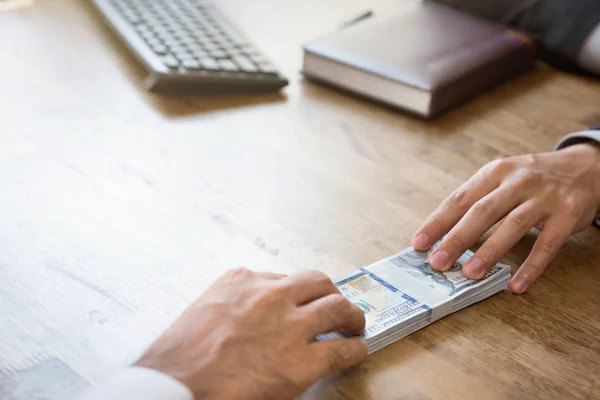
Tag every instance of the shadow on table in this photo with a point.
(348, 384)
(453, 119)
(176, 106)
(376, 375)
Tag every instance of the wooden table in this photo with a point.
(119, 207)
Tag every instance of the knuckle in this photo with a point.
(530, 158)
(528, 177)
(495, 164)
(518, 219)
(339, 355)
(325, 316)
(339, 302)
(335, 308)
(484, 207)
(457, 198)
(268, 294)
(499, 165)
(550, 246)
(433, 224)
(239, 272)
(454, 242)
(491, 251)
(572, 207)
(257, 303)
(298, 319)
(281, 289)
(318, 277)
(533, 270)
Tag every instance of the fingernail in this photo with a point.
(519, 286)
(422, 241)
(474, 268)
(440, 259)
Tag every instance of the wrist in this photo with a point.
(589, 153)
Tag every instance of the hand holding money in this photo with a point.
(402, 294)
(558, 193)
(251, 336)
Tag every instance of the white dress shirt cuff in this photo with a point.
(581, 137)
(135, 383)
(578, 137)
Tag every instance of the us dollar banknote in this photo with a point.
(402, 293)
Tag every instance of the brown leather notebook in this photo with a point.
(424, 58)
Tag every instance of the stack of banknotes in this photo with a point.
(402, 294)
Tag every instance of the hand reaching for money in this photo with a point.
(558, 193)
(251, 336)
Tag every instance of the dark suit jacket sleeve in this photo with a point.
(581, 137)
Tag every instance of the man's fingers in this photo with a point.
(481, 216)
(452, 210)
(309, 286)
(511, 230)
(331, 356)
(331, 313)
(555, 233)
(540, 225)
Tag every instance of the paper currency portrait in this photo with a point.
(415, 263)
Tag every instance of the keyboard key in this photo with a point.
(252, 52)
(228, 65)
(258, 59)
(246, 48)
(267, 69)
(191, 64)
(181, 56)
(219, 54)
(142, 28)
(209, 63)
(162, 35)
(178, 48)
(234, 38)
(171, 61)
(211, 49)
(245, 64)
(189, 42)
(202, 22)
(154, 42)
(180, 35)
(171, 43)
(147, 35)
(213, 44)
(234, 52)
(224, 44)
(160, 49)
(132, 18)
(200, 53)
(196, 47)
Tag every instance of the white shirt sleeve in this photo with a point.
(581, 137)
(589, 56)
(135, 383)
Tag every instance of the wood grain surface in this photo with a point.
(119, 207)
